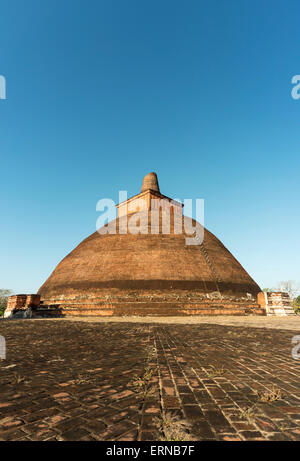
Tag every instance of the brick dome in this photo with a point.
(149, 273)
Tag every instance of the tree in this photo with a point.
(4, 294)
(268, 290)
(290, 287)
(297, 305)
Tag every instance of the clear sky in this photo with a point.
(99, 93)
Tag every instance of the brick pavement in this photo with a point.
(72, 380)
(289, 322)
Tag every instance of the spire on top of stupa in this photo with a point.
(150, 181)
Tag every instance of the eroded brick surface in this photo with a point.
(68, 380)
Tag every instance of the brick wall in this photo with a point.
(275, 303)
(22, 302)
(149, 200)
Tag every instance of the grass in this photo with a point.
(84, 380)
(283, 427)
(270, 395)
(233, 333)
(172, 428)
(142, 383)
(17, 379)
(215, 372)
(264, 396)
(248, 414)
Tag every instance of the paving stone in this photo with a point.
(193, 412)
(72, 380)
(74, 435)
(170, 402)
(252, 435)
(202, 430)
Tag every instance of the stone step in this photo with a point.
(281, 311)
(153, 309)
(156, 303)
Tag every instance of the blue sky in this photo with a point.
(100, 93)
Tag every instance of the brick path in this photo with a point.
(68, 380)
(289, 322)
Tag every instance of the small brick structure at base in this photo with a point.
(131, 304)
(276, 303)
(21, 305)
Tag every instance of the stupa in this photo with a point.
(148, 271)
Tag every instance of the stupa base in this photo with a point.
(153, 309)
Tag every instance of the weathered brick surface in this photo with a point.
(158, 307)
(276, 303)
(149, 253)
(156, 263)
(19, 302)
(16, 302)
(68, 380)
